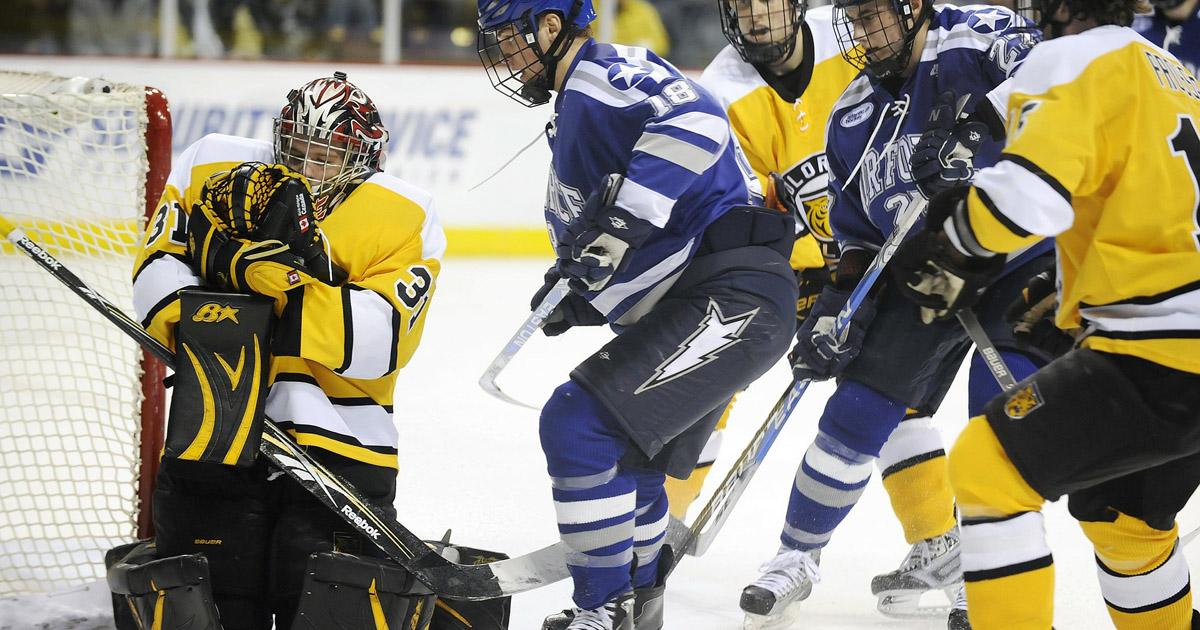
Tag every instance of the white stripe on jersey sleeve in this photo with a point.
(1025, 199)
(609, 298)
(374, 338)
(592, 79)
(714, 128)
(676, 151)
(645, 203)
(159, 279)
(1178, 312)
(305, 403)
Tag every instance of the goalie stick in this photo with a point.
(468, 582)
(710, 519)
(532, 324)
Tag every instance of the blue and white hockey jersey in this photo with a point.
(625, 110)
(1181, 39)
(872, 131)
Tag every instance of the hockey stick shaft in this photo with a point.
(987, 349)
(401, 545)
(710, 520)
(531, 325)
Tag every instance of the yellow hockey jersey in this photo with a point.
(337, 350)
(785, 136)
(1103, 154)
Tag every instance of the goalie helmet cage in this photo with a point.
(82, 165)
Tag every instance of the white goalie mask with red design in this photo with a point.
(331, 132)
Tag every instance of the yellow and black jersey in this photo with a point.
(337, 350)
(780, 121)
(1103, 154)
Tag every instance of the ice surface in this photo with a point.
(473, 464)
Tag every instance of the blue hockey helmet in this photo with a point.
(878, 35)
(508, 47)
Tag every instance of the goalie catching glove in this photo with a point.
(253, 230)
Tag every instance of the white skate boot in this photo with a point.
(934, 564)
(614, 615)
(771, 601)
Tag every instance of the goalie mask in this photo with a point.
(878, 35)
(508, 47)
(331, 132)
(762, 31)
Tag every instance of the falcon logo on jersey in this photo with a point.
(563, 201)
(1024, 402)
(715, 334)
(989, 21)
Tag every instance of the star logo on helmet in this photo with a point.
(627, 74)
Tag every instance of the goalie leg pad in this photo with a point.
(221, 378)
(355, 593)
(171, 593)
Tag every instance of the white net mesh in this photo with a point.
(73, 175)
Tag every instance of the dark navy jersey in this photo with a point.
(873, 130)
(624, 110)
(1181, 39)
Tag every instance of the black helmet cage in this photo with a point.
(519, 35)
(889, 57)
(788, 19)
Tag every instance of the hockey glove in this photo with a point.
(818, 354)
(944, 156)
(599, 239)
(573, 310)
(1032, 317)
(811, 282)
(934, 274)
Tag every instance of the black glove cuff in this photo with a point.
(620, 223)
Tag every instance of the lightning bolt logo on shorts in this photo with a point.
(715, 333)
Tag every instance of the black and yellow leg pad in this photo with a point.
(1143, 575)
(160, 594)
(221, 378)
(355, 593)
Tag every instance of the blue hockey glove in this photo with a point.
(573, 310)
(818, 355)
(944, 156)
(599, 238)
(934, 274)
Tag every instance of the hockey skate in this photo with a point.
(934, 564)
(771, 601)
(615, 615)
(958, 612)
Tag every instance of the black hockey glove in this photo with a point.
(818, 355)
(944, 156)
(599, 238)
(573, 310)
(811, 282)
(935, 275)
(1032, 317)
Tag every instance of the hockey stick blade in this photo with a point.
(532, 324)
(721, 503)
(468, 582)
(987, 350)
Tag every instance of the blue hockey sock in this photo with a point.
(594, 499)
(650, 526)
(828, 483)
(982, 386)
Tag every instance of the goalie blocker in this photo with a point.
(340, 591)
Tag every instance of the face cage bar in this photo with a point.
(358, 157)
(506, 78)
(863, 51)
(768, 52)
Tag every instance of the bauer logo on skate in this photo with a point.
(1024, 402)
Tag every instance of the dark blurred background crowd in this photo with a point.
(685, 31)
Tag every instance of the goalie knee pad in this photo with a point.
(220, 379)
(354, 593)
(164, 594)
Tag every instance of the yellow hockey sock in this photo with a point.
(1143, 576)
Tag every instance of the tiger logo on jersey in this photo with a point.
(1024, 402)
(806, 186)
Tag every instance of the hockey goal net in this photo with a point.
(82, 163)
